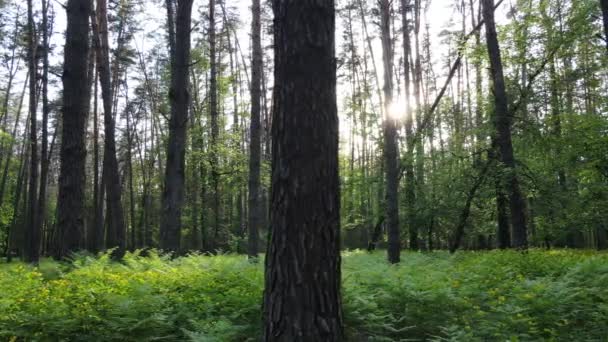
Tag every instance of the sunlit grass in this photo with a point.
(540, 295)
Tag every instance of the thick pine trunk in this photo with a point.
(70, 206)
(173, 191)
(502, 124)
(255, 205)
(302, 296)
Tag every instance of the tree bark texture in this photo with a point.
(70, 206)
(302, 294)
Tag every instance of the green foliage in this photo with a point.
(492, 296)
(140, 299)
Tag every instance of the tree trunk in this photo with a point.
(302, 296)
(76, 95)
(410, 193)
(44, 145)
(604, 4)
(31, 248)
(390, 139)
(95, 239)
(130, 133)
(502, 124)
(173, 191)
(257, 68)
(215, 130)
(115, 236)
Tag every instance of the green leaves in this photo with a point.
(490, 296)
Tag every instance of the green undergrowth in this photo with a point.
(556, 295)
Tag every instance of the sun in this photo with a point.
(397, 110)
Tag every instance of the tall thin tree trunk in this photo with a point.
(390, 139)
(32, 233)
(44, 144)
(257, 68)
(410, 193)
(502, 124)
(19, 189)
(173, 191)
(371, 52)
(96, 236)
(115, 236)
(604, 4)
(302, 296)
(130, 133)
(214, 114)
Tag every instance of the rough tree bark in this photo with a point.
(502, 124)
(173, 191)
(255, 147)
(302, 296)
(70, 206)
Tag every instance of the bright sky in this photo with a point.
(441, 14)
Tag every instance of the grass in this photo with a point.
(559, 295)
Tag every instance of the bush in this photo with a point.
(501, 295)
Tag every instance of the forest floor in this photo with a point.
(559, 295)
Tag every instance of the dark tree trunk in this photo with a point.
(466, 210)
(410, 193)
(604, 4)
(76, 95)
(257, 68)
(502, 124)
(31, 250)
(130, 133)
(302, 295)
(390, 139)
(115, 235)
(503, 228)
(173, 191)
(215, 129)
(44, 143)
(19, 189)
